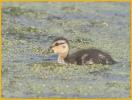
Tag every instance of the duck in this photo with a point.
(60, 46)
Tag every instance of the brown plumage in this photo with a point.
(86, 56)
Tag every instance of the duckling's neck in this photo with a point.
(62, 57)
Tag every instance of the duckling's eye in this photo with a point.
(56, 44)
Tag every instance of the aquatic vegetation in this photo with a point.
(66, 70)
(22, 32)
(13, 11)
(98, 24)
(117, 85)
(26, 73)
(19, 11)
(71, 9)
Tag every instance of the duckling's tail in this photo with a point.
(111, 62)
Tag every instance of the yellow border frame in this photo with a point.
(65, 1)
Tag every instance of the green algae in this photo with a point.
(13, 11)
(25, 74)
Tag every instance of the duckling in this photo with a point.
(90, 56)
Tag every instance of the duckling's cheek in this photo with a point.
(63, 46)
(58, 50)
(62, 50)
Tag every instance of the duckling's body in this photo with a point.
(89, 56)
(86, 56)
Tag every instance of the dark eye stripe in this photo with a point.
(57, 44)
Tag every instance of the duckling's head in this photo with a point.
(60, 46)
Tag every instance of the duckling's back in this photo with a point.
(90, 56)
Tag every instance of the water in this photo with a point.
(30, 71)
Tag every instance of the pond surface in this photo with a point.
(30, 71)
